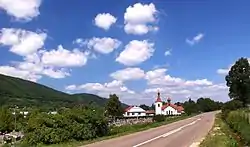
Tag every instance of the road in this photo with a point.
(184, 133)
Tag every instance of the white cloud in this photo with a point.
(104, 90)
(223, 71)
(159, 77)
(21, 9)
(179, 89)
(19, 73)
(139, 19)
(103, 45)
(57, 74)
(64, 58)
(22, 42)
(136, 52)
(167, 53)
(105, 20)
(128, 74)
(195, 39)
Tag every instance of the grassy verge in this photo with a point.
(220, 135)
(121, 131)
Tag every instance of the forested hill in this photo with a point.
(15, 91)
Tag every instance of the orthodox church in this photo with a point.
(167, 108)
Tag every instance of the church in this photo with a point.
(167, 108)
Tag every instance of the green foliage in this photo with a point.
(79, 123)
(6, 120)
(113, 107)
(15, 91)
(145, 107)
(222, 137)
(202, 105)
(159, 118)
(207, 105)
(190, 107)
(238, 81)
(230, 106)
(239, 121)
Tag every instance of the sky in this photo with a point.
(133, 48)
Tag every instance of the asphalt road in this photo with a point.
(184, 133)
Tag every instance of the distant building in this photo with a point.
(167, 108)
(134, 111)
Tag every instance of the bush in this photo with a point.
(239, 122)
(230, 106)
(159, 118)
(75, 124)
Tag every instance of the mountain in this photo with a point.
(15, 91)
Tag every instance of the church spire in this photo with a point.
(158, 99)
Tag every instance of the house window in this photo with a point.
(158, 105)
(139, 113)
(133, 113)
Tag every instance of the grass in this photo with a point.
(220, 135)
(121, 131)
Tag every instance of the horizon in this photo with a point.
(183, 48)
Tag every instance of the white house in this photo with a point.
(167, 108)
(134, 111)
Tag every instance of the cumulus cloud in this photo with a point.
(128, 74)
(180, 88)
(19, 73)
(62, 57)
(196, 39)
(223, 71)
(22, 42)
(103, 45)
(21, 9)
(104, 90)
(140, 19)
(167, 53)
(177, 88)
(104, 20)
(136, 52)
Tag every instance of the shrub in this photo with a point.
(75, 124)
(159, 118)
(230, 106)
(239, 122)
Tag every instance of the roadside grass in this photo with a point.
(220, 135)
(121, 131)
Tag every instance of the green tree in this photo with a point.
(145, 107)
(6, 120)
(238, 81)
(190, 107)
(113, 107)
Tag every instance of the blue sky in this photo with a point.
(112, 46)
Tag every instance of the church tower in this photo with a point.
(158, 104)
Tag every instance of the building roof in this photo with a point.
(150, 111)
(134, 109)
(178, 108)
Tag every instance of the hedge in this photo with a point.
(239, 121)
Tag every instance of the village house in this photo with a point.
(134, 111)
(161, 108)
(168, 108)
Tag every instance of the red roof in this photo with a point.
(178, 108)
(127, 109)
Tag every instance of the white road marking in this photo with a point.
(167, 134)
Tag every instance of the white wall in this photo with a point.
(134, 114)
(158, 106)
(170, 111)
